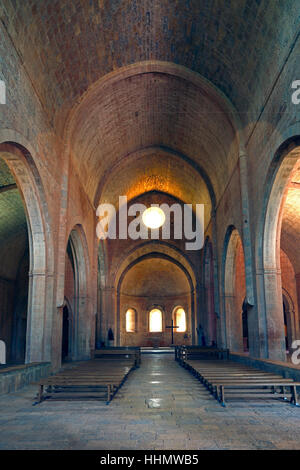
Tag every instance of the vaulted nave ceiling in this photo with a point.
(69, 48)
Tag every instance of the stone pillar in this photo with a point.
(257, 327)
(257, 324)
(194, 296)
(35, 318)
(57, 337)
(274, 315)
(246, 228)
(233, 325)
(49, 310)
(108, 313)
(221, 333)
(200, 306)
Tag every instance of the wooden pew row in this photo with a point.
(184, 353)
(241, 381)
(119, 352)
(96, 379)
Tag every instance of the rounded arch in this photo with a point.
(154, 254)
(40, 293)
(234, 286)
(268, 245)
(157, 246)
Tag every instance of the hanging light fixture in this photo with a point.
(153, 217)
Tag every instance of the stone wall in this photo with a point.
(15, 378)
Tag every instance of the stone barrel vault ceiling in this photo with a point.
(76, 54)
(126, 115)
(156, 170)
(68, 45)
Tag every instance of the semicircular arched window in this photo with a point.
(179, 320)
(155, 320)
(131, 321)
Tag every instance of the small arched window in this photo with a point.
(179, 320)
(155, 320)
(131, 320)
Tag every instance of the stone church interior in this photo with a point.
(141, 339)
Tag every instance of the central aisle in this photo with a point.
(160, 383)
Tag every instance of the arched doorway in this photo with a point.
(76, 321)
(14, 267)
(281, 241)
(234, 289)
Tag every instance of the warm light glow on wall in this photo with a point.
(130, 320)
(155, 321)
(153, 217)
(180, 320)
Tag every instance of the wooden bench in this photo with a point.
(184, 353)
(126, 352)
(241, 381)
(98, 379)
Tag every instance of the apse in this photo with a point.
(156, 291)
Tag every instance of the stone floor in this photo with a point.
(161, 406)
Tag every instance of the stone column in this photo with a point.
(221, 333)
(35, 317)
(233, 326)
(108, 313)
(246, 228)
(274, 315)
